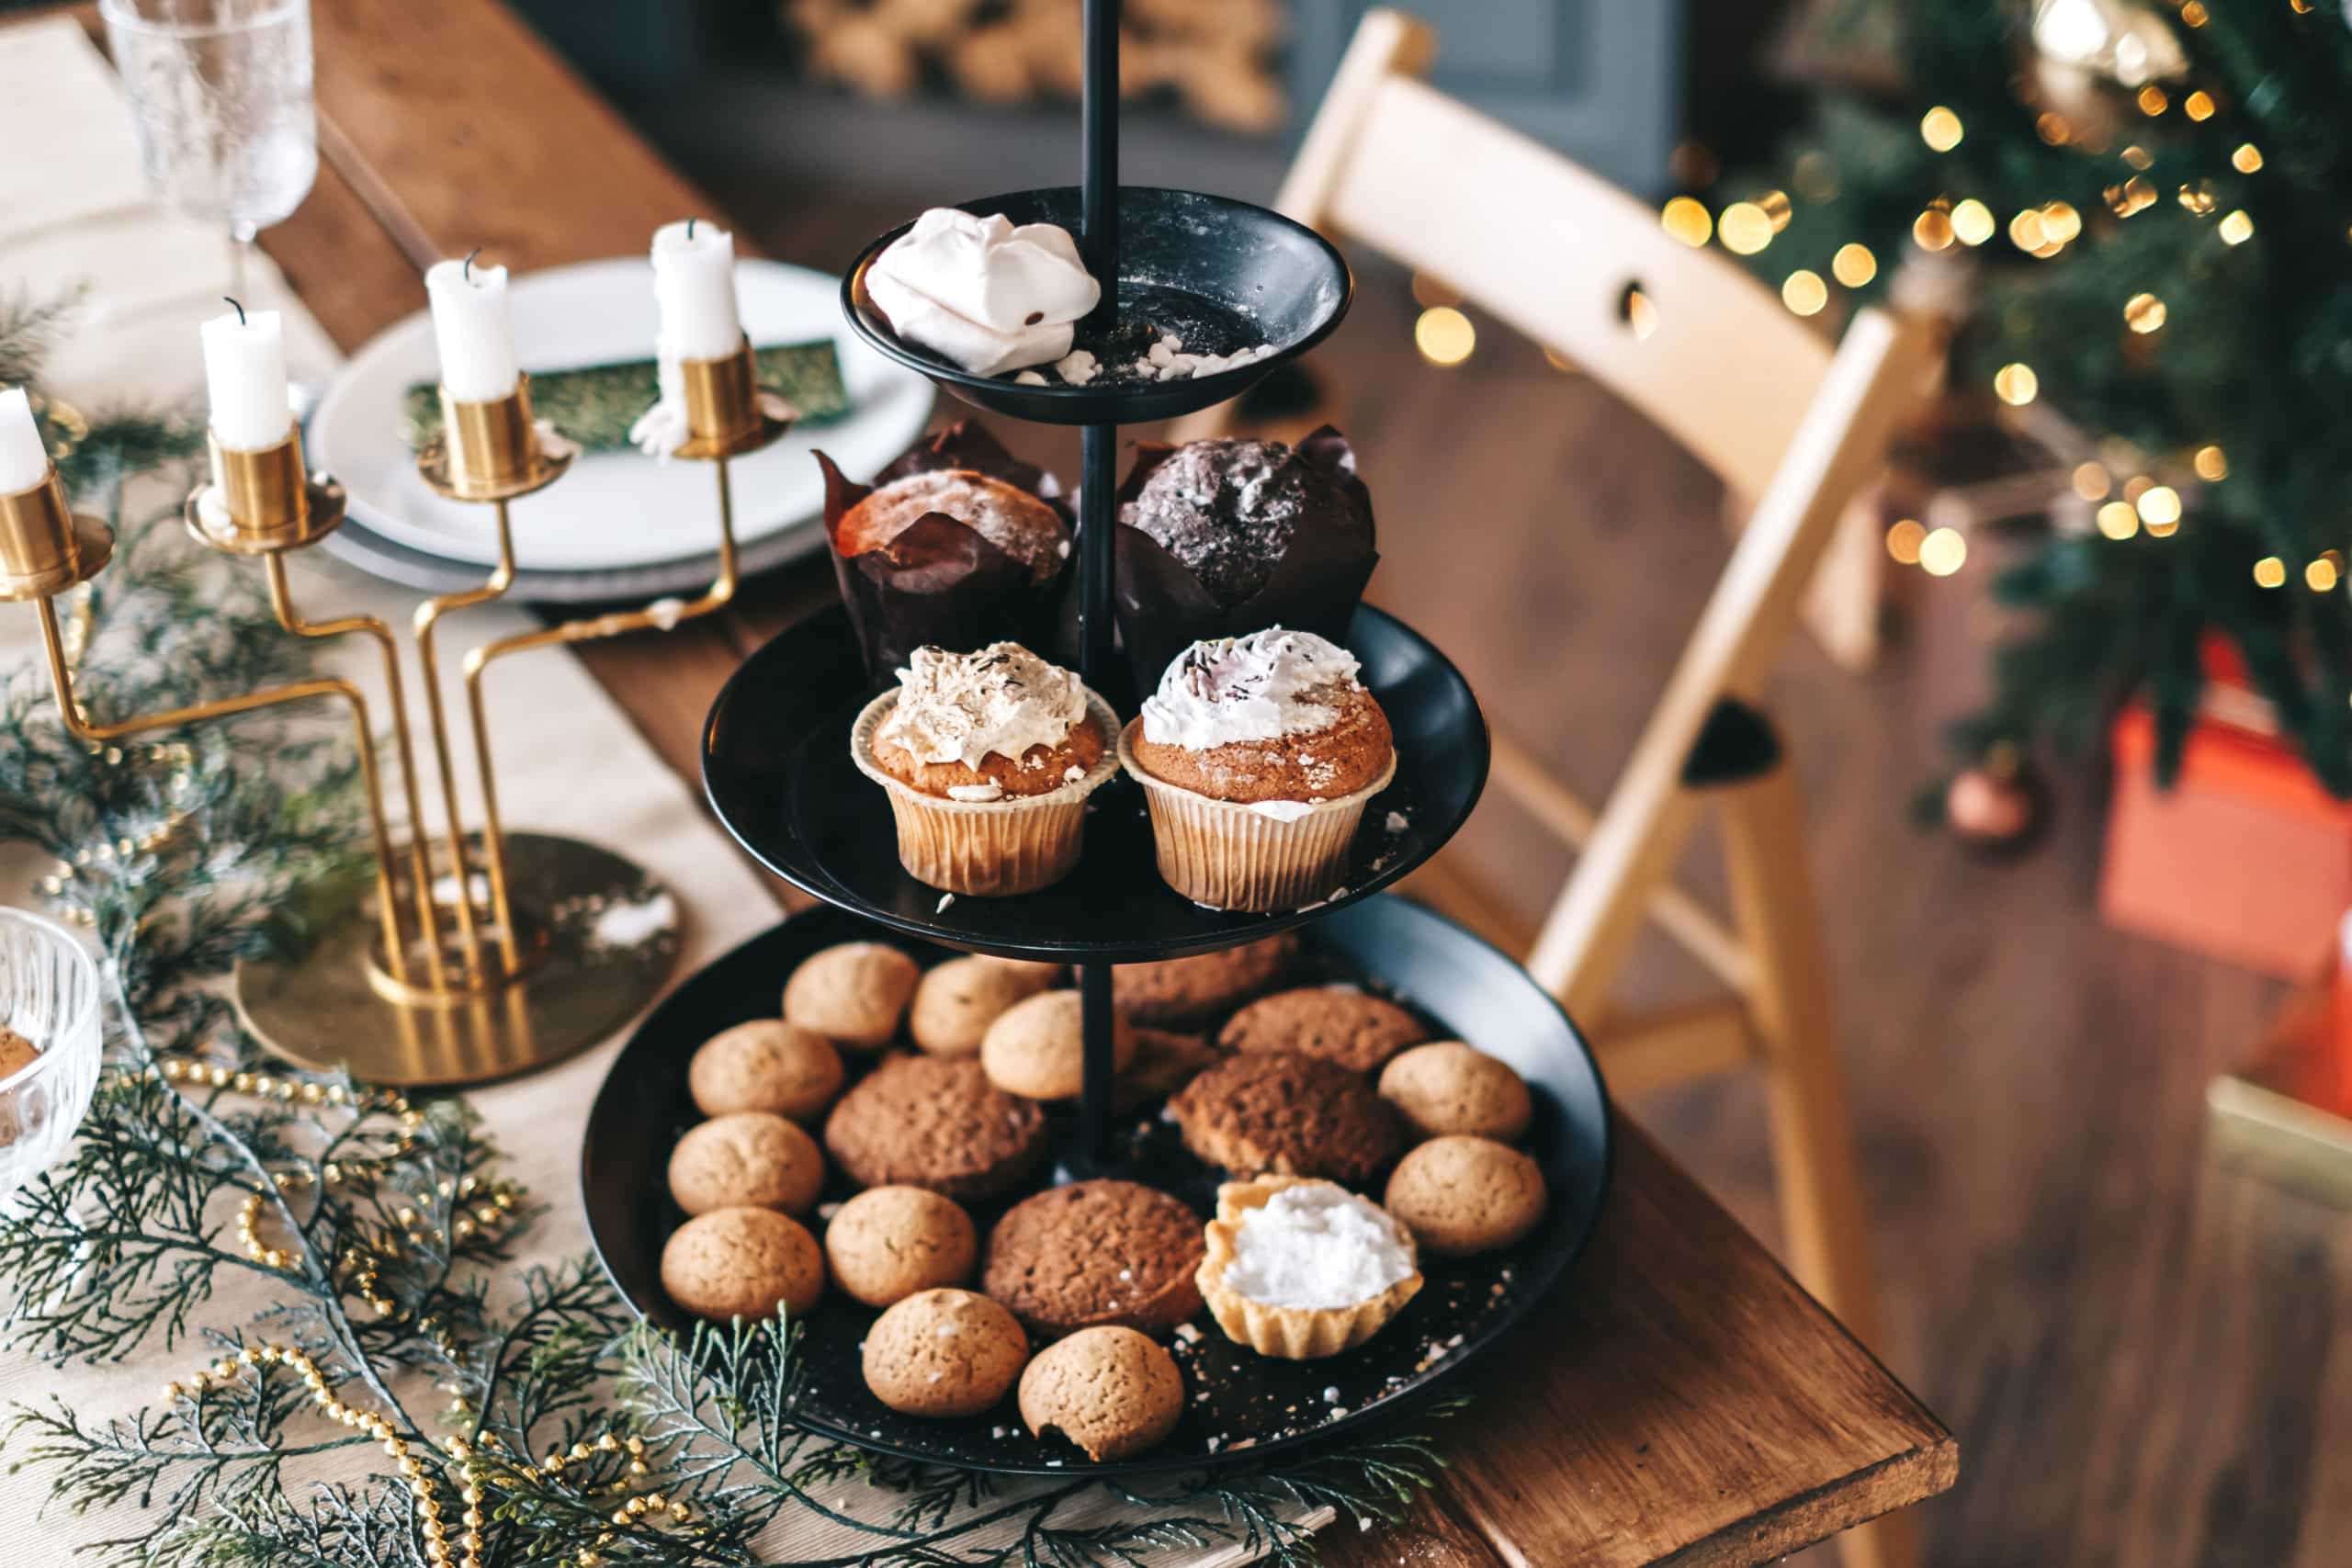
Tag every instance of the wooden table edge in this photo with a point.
(1785, 1527)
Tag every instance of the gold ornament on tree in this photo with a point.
(1998, 807)
(2085, 49)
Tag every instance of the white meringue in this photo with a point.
(989, 295)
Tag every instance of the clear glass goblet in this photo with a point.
(50, 999)
(220, 99)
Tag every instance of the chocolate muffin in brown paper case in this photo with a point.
(1237, 536)
(940, 580)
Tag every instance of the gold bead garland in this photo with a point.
(485, 1205)
(421, 1487)
(489, 1205)
(176, 754)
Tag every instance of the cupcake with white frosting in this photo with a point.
(1302, 1270)
(987, 758)
(1257, 755)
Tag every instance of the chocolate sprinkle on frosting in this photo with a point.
(1228, 509)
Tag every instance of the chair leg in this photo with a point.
(1814, 1154)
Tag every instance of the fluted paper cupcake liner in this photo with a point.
(987, 848)
(1230, 855)
(1292, 1334)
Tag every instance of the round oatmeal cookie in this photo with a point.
(766, 1064)
(1448, 1086)
(958, 999)
(1037, 1048)
(890, 1242)
(1111, 1391)
(1179, 991)
(1460, 1195)
(937, 1123)
(852, 993)
(1338, 1023)
(1096, 1252)
(742, 1263)
(944, 1353)
(1279, 1113)
(752, 1159)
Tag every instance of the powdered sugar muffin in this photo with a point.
(988, 757)
(1257, 755)
(1228, 509)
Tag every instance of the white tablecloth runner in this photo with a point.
(571, 761)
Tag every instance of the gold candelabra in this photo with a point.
(393, 991)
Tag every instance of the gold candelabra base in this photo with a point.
(474, 955)
(598, 939)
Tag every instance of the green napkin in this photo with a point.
(596, 404)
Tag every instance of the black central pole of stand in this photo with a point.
(1097, 513)
(1097, 510)
(1098, 167)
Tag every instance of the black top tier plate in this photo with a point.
(776, 767)
(1222, 275)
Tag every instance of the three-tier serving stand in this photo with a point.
(1224, 276)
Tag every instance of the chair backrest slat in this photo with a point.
(1787, 421)
(1540, 243)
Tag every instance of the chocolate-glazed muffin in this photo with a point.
(1223, 538)
(1228, 509)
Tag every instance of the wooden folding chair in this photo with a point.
(1764, 401)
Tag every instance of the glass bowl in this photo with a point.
(49, 998)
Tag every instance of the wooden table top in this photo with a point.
(1682, 1401)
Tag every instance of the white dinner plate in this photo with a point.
(615, 510)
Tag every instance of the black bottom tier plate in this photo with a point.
(776, 766)
(1242, 1408)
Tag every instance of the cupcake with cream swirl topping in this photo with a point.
(1257, 756)
(988, 759)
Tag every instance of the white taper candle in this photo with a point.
(244, 376)
(693, 282)
(24, 460)
(474, 330)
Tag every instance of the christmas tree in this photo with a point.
(2155, 202)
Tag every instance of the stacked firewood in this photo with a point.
(1220, 57)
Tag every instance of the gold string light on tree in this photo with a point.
(2148, 110)
(2044, 232)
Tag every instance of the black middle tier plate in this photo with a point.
(777, 770)
(1222, 275)
(1244, 1409)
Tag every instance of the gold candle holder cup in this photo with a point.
(264, 502)
(46, 546)
(727, 413)
(492, 451)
